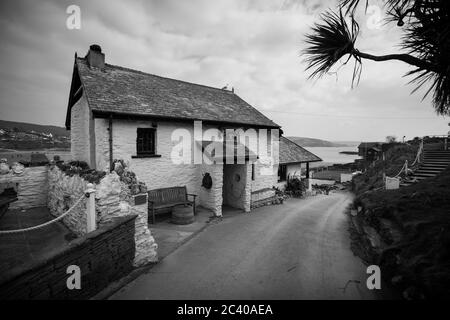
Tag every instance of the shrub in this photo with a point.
(295, 187)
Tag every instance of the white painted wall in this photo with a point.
(79, 132)
(162, 172)
(31, 187)
(212, 198)
(292, 170)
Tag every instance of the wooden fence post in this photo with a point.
(91, 216)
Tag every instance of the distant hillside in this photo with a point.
(29, 136)
(28, 127)
(311, 142)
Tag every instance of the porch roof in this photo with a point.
(229, 151)
(290, 152)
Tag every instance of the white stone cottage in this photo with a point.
(119, 113)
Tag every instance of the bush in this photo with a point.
(295, 187)
(82, 169)
(129, 177)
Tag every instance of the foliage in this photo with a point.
(425, 42)
(128, 177)
(391, 139)
(295, 187)
(82, 169)
(280, 194)
(420, 257)
(372, 178)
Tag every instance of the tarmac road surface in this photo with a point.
(298, 250)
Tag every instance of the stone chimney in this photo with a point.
(95, 58)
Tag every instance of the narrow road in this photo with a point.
(299, 250)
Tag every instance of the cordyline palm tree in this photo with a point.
(425, 44)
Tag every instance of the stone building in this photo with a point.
(370, 151)
(294, 161)
(159, 126)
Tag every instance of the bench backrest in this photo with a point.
(168, 195)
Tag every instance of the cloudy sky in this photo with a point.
(252, 45)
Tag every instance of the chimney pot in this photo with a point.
(95, 57)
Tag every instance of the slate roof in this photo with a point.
(124, 91)
(290, 152)
(226, 151)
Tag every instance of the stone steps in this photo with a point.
(434, 162)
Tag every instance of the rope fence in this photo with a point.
(48, 222)
(419, 154)
(416, 161)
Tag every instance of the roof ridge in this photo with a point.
(162, 77)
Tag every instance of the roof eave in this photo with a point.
(297, 162)
(138, 116)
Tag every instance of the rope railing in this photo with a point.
(48, 222)
(416, 161)
(404, 168)
(419, 154)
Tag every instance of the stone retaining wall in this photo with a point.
(112, 199)
(103, 256)
(31, 187)
(63, 191)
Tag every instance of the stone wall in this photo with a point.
(248, 188)
(158, 172)
(212, 198)
(103, 256)
(161, 172)
(63, 192)
(112, 199)
(263, 180)
(262, 194)
(31, 187)
(80, 131)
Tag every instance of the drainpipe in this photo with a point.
(110, 144)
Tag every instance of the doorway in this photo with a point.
(234, 193)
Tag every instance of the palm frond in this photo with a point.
(329, 41)
(428, 38)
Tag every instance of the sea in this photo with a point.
(332, 155)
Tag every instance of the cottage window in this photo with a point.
(146, 142)
(282, 172)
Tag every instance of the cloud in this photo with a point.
(252, 45)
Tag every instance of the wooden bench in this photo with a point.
(168, 198)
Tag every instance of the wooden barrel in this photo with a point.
(182, 214)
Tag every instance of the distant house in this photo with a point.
(294, 160)
(370, 151)
(119, 113)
